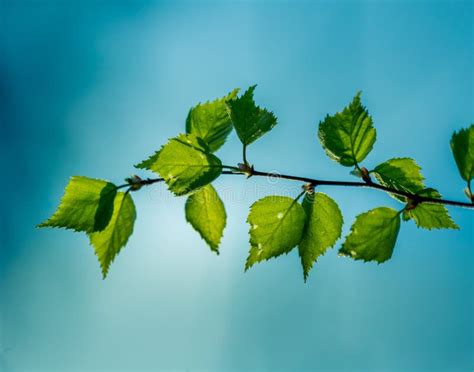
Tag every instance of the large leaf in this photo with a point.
(430, 216)
(348, 136)
(462, 145)
(250, 121)
(107, 243)
(373, 235)
(206, 213)
(211, 121)
(323, 228)
(276, 226)
(86, 205)
(185, 163)
(402, 174)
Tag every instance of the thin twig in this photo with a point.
(316, 182)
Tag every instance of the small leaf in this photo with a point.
(373, 235)
(107, 243)
(462, 146)
(211, 121)
(323, 228)
(430, 216)
(86, 205)
(185, 163)
(276, 226)
(402, 174)
(206, 213)
(348, 136)
(250, 121)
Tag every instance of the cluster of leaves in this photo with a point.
(98, 209)
(278, 224)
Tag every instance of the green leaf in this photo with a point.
(323, 228)
(107, 243)
(462, 145)
(211, 121)
(276, 226)
(373, 235)
(86, 205)
(250, 121)
(402, 174)
(348, 136)
(206, 213)
(430, 216)
(185, 163)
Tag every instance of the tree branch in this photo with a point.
(316, 182)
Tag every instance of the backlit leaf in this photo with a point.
(402, 174)
(86, 205)
(430, 216)
(323, 228)
(373, 235)
(107, 243)
(185, 163)
(462, 145)
(348, 136)
(211, 121)
(206, 213)
(250, 121)
(276, 227)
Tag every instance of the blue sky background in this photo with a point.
(91, 88)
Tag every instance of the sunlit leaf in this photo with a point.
(430, 216)
(402, 174)
(107, 243)
(185, 163)
(323, 228)
(206, 213)
(373, 235)
(276, 227)
(211, 121)
(462, 145)
(250, 121)
(86, 205)
(348, 136)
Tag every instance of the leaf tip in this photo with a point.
(247, 266)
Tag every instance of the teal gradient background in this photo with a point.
(91, 88)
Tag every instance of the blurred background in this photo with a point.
(93, 87)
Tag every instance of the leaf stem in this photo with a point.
(231, 168)
(300, 195)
